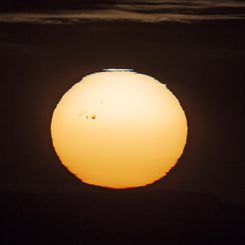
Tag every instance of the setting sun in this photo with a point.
(119, 129)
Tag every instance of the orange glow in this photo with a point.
(119, 129)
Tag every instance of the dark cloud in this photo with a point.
(138, 11)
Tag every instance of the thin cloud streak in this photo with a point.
(65, 18)
(138, 11)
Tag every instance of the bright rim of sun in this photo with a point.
(119, 129)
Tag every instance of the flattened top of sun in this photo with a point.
(119, 129)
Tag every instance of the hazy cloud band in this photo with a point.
(138, 11)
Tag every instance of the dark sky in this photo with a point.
(202, 62)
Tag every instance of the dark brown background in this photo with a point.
(201, 63)
(200, 200)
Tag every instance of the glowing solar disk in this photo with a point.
(119, 129)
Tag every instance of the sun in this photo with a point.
(119, 129)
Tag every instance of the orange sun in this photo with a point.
(119, 129)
